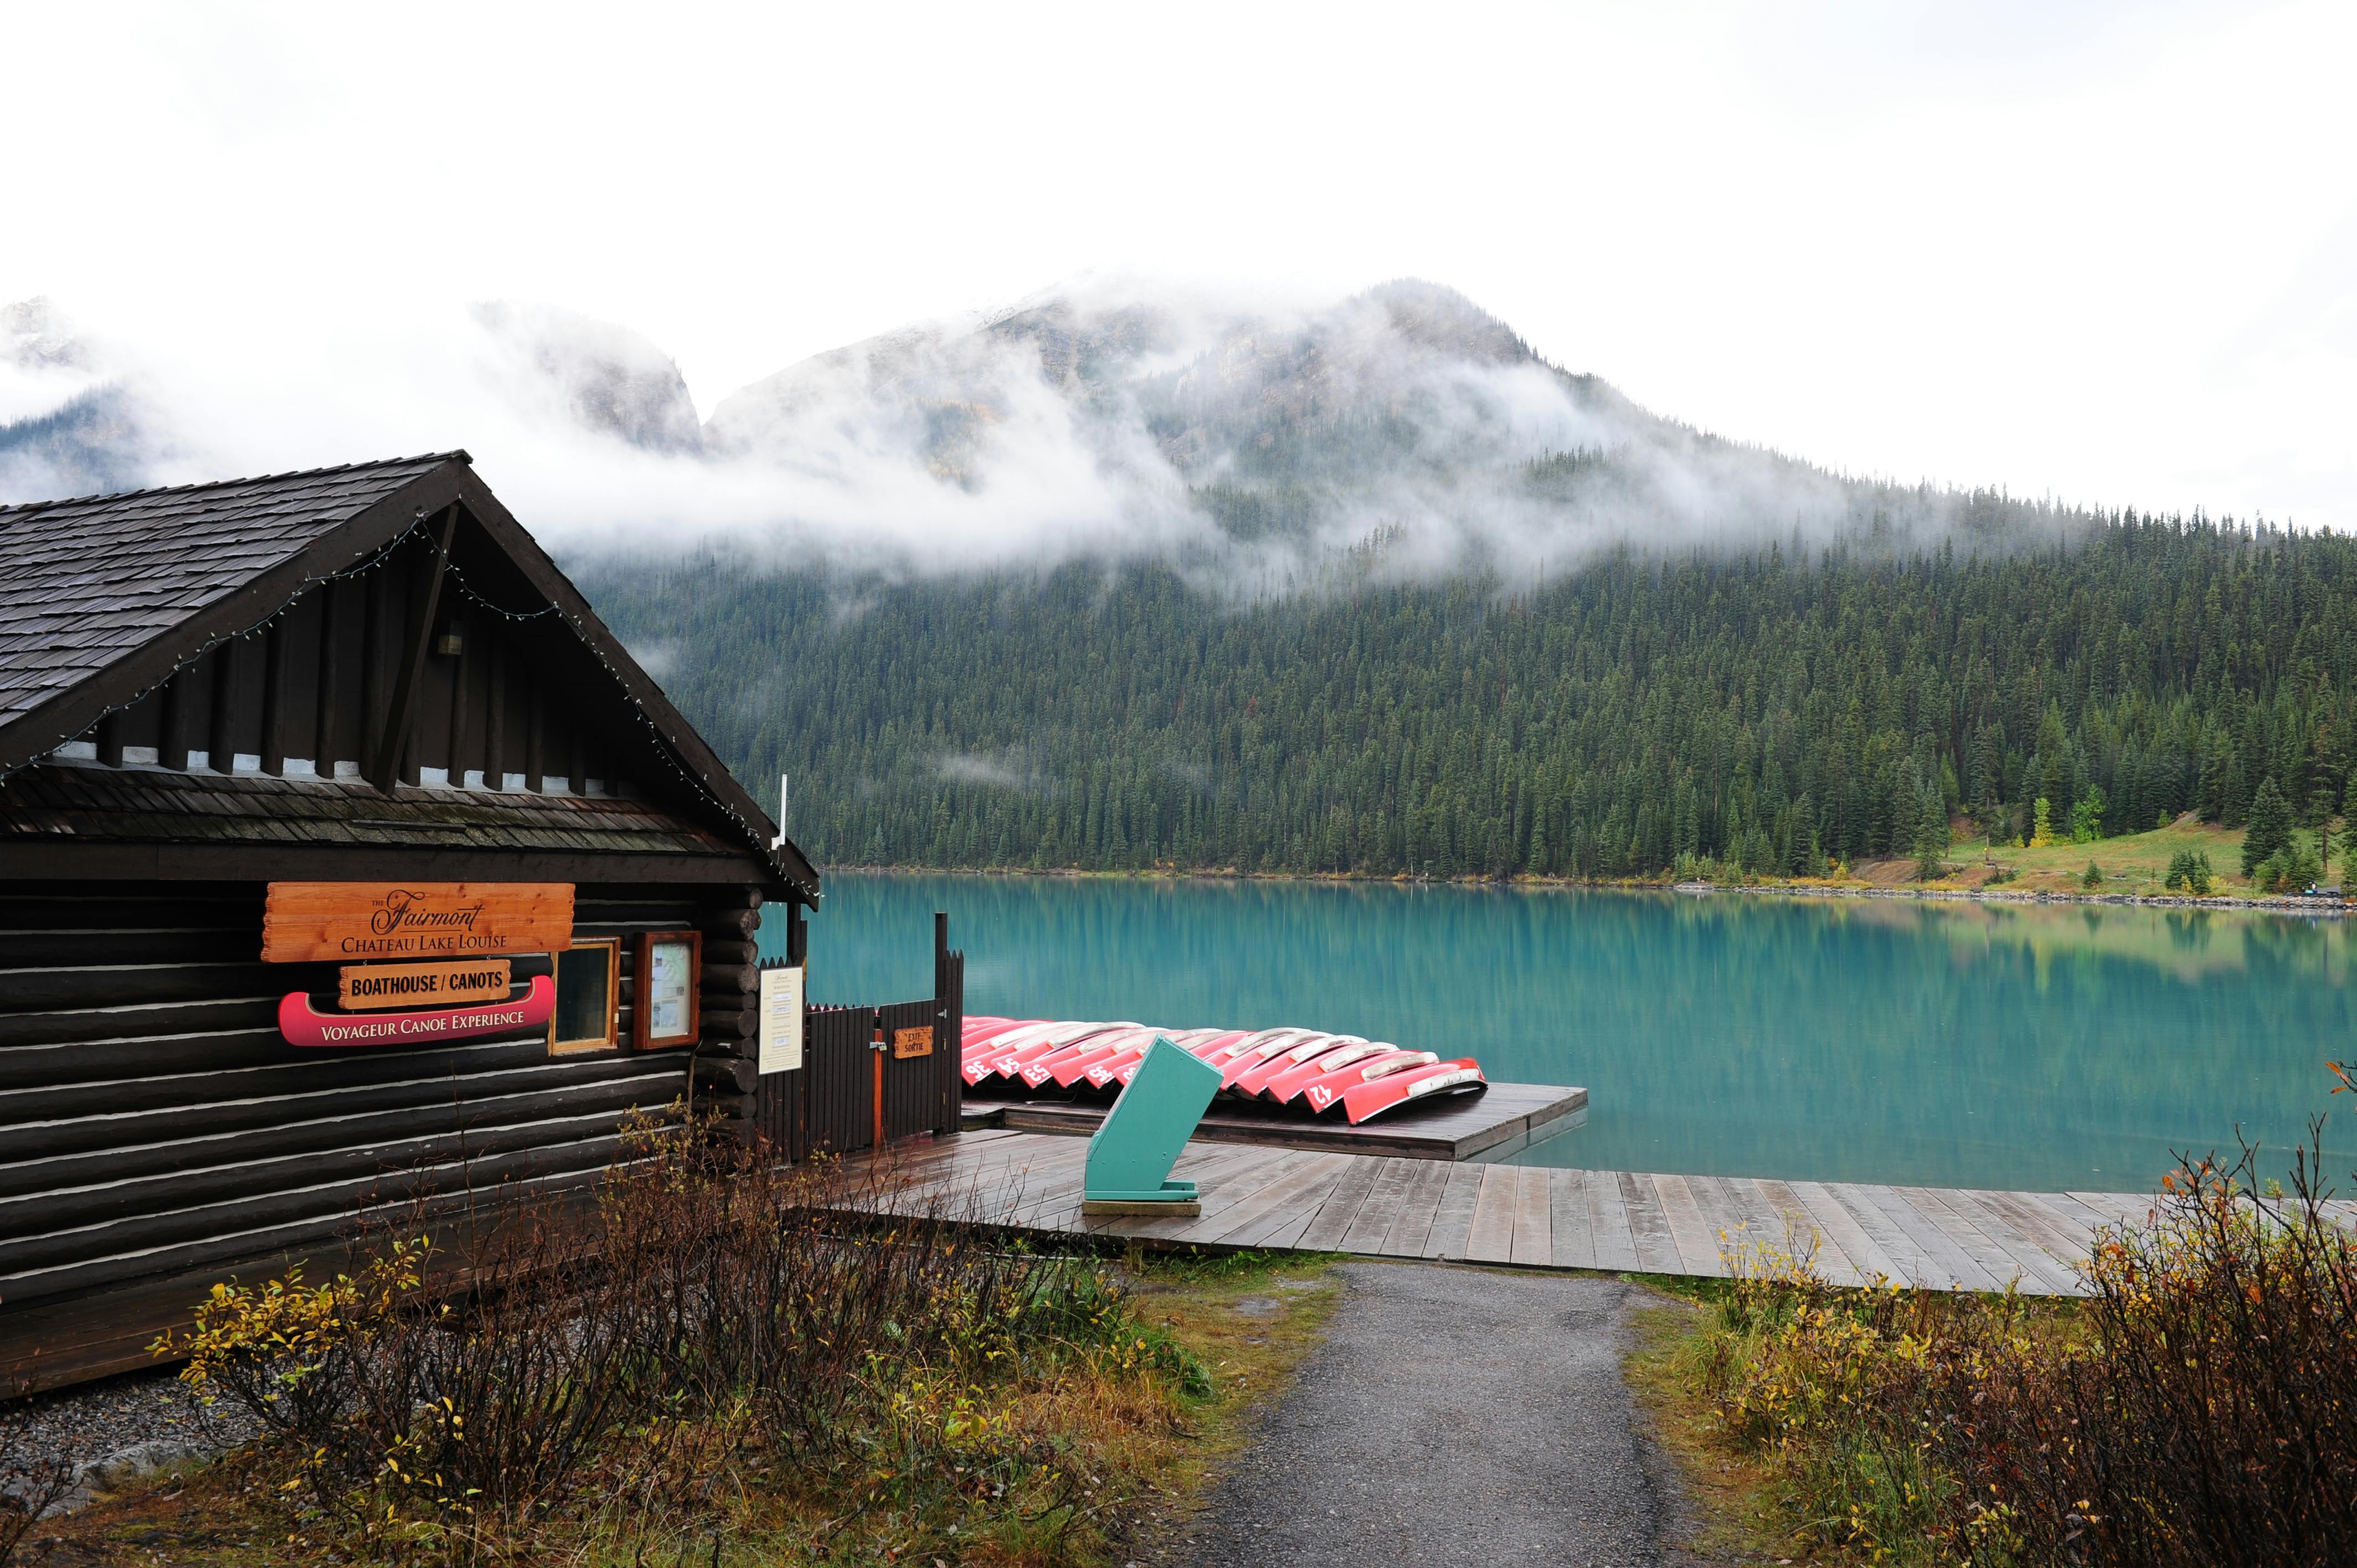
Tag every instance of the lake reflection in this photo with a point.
(1944, 1043)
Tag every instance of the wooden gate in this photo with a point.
(854, 1086)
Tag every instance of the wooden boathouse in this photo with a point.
(347, 858)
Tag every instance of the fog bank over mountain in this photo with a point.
(1258, 444)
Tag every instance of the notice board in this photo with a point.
(782, 1020)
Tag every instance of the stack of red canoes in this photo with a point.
(1301, 1069)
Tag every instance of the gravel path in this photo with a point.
(1454, 1416)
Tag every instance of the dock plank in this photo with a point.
(2065, 1241)
(1253, 1193)
(1573, 1233)
(1233, 1200)
(1802, 1234)
(1288, 1238)
(1689, 1231)
(1452, 1224)
(1493, 1241)
(1962, 1224)
(1608, 1220)
(1325, 1233)
(1730, 1225)
(1287, 1207)
(1649, 1227)
(1381, 1211)
(1417, 1206)
(1863, 1245)
(1951, 1265)
(1453, 1129)
(2070, 1211)
(1533, 1244)
(2041, 1270)
(1221, 1181)
(2120, 1208)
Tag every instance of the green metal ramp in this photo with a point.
(1131, 1155)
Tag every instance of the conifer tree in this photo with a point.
(2270, 828)
(1932, 842)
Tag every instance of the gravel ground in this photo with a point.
(1454, 1416)
(118, 1427)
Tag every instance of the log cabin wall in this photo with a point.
(154, 1125)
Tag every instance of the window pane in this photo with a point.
(582, 1004)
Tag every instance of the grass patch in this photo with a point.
(1734, 1491)
(900, 1396)
(2132, 863)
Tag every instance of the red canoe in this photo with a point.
(1316, 1047)
(1290, 1085)
(1010, 1063)
(1462, 1076)
(1064, 1068)
(993, 1057)
(1327, 1093)
(1258, 1049)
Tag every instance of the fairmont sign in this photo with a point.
(306, 922)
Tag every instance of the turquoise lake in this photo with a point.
(1944, 1044)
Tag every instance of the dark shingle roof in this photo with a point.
(84, 582)
(152, 805)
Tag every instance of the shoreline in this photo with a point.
(2271, 903)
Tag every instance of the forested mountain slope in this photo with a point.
(1773, 708)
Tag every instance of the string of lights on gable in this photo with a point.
(698, 784)
(383, 553)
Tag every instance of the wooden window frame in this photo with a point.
(642, 1015)
(611, 1040)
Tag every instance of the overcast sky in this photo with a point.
(2107, 252)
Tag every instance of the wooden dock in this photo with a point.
(1530, 1215)
(1497, 1123)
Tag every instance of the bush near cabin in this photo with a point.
(733, 1358)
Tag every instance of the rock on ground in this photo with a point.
(108, 1432)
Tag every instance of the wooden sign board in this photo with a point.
(907, 1043)
(366, 986)
(306, 922)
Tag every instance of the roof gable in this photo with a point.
(84, 582)
(281, 626)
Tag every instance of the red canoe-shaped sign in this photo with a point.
(303, 1026)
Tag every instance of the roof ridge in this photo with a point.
(455, 454)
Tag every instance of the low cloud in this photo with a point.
(1259, 446)
(657, 656)
(970, 767)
